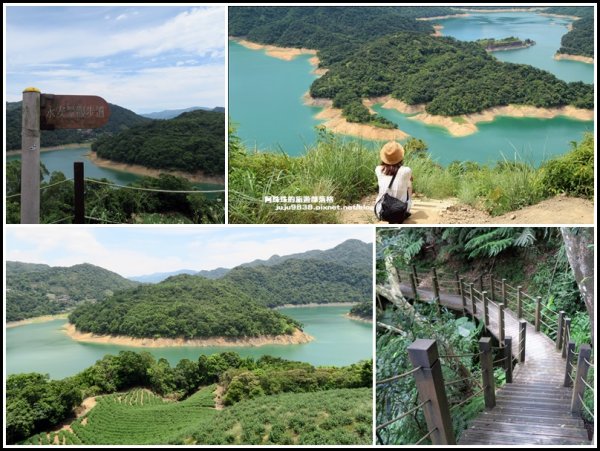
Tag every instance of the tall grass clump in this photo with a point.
(344, 169)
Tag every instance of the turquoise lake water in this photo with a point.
(45, 348)
(265, 98)
(62, 160)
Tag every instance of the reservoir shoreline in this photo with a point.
(35, 320)
(145, 171)
(298, 337)
(457, 126)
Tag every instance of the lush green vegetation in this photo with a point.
(323, 170)
(116, 205)
(542, 269)
(182, 306)
(191, 142)
(372, 52)
(491, 44)
(335, 32)
(135, 417)
(332, 417)
(363, 310)
(303, 282)
(455, 336)
(176, 404)
(533, 258)
(36, 290)
(120, 119)
(579, 40)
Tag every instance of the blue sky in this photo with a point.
(144, 58)
(134, 251)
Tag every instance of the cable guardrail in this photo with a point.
(154, 190)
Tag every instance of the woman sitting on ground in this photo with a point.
(392, 158)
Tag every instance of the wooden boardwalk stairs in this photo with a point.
(542, 405)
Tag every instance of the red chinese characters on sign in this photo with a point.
(64, 111)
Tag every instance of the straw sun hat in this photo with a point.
(392, 153)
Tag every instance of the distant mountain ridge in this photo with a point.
(170, 114)
(36, 289)
(353, 252)
(120, 119)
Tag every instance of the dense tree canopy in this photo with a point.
(35, 290)
(384, 51)
(450, 76)
(182, 306)
(36, 405)
(118, 205)
(303, 282)
(336, 32)
(191, 142)
(120, 119)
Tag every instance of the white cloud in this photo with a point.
(121, 16)
(199, 31)
(145, 90)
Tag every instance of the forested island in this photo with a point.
(190, 142)
(184, 307)
(36, 290)
(510, 43)
(217, 399)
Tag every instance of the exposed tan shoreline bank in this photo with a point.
(580, 58)
(316, 304)
(449, 16)
(458, 126)
(298, 337)
(48, 149)
(36, 319)
(466, 124)
(142, 170)
(358, 318)
(283, 53)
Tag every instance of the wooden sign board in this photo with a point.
(64, 111)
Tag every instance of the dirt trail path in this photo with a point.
(556, 210)
(219, 397)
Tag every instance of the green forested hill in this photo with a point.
(182, 306)
(451, 76)
(302, 282)
(580, 40)
(191, 142)
(335, 31)
(350, 252)
(35, 290)
(384, 51)
(120, 119)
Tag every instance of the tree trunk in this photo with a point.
(579, 244)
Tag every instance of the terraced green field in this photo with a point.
(138, 417)
(342, 417)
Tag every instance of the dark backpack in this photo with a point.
(393, 210)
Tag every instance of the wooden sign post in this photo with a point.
(30, 157)
(50, 112)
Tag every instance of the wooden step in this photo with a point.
(544, 413)
(471, 437)
(545, 431)
(532, 419)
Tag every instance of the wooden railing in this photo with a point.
(431, 387)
